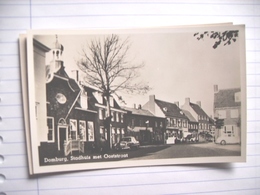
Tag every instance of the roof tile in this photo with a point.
(226, 98)
(170, 109)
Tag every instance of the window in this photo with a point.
(184, 123)
(112, 116)
(50, 124)
(117, 117)
(155, 124)
(61, 98)
(101, 114)
(91, 131)
(229, 130)
(168, 121)
(122, 117)
(174, 122)
(113, 130)
(222, 114)
(179, 123)
(82, 130)
(73, 129)
(234, 113)
(103, 132)
(238, 97)
(171, 122)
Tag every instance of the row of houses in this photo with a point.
(71, 114)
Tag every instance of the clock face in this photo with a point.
(61, 98)
(49, 74)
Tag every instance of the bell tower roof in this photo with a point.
(56, 64)
(57, 45)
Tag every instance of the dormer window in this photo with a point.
(165, 109)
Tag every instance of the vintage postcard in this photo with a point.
(100, 99)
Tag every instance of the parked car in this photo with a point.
(223, 140)
(193, 139)
(127, 143)
(209, 137)
(188, 137)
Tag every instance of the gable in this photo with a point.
(189, 116)
(61, 94)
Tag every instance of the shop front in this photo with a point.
(171, 135)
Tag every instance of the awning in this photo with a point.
(138, 129)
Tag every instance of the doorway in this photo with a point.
(145, 137)
(62, 136)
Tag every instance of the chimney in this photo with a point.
(134, 106)
(199, 103)
(187, 101)
(152, 98)
(215, 88)
(139, 106)
(177, 104)
(150, 105)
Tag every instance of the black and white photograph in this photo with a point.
(136, 97)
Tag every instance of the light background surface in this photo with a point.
(18, 16)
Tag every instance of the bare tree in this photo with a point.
(227, 37)
(107, 68)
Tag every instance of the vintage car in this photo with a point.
(223, 140)
(127, 143)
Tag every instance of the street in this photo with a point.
(187, 150)
(184, 151)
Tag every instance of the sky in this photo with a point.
(177, 65)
